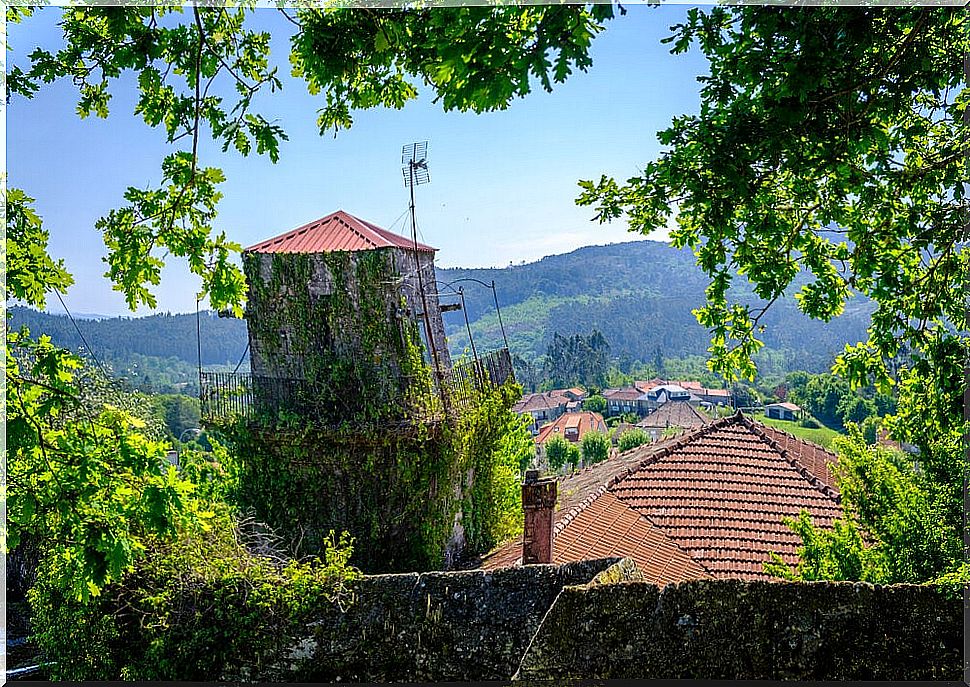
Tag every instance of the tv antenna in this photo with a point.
(414, 158)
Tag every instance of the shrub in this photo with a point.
(633, 438)
(557, 452)
(596, 447)
(191, 610)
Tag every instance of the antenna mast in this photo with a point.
(414, 158)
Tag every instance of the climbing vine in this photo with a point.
(369, 447)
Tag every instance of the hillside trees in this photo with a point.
(833, 141)
(578, 359)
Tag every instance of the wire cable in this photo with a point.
(87, 346)
(241, 359)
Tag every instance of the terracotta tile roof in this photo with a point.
(787, 406)
(339, 231)
(645, 386)
(584, 421)
(719, 493)
(605, 527)
(814, 458)
(625, 394)
(539, 401)
(674, 414)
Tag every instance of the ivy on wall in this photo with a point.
(378, 457)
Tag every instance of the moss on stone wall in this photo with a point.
(731, 629)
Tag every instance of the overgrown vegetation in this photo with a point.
(832, 142)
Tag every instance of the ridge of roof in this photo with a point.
(826, 489)
(366, 232)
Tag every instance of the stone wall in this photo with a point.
(430, 627)
(729, 629)
(597, 620)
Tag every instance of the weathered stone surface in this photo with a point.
(430, 627)
(730, 629)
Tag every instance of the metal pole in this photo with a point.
(471, 341)
(424, 300)
(498, 311)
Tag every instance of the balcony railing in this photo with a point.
(226, 395)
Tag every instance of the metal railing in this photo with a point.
(225, 395)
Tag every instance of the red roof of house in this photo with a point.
(645, 386)
(674, 414)
(584, 420)
(543, 400)
(624, 394)
(339, 231)
(718, 493)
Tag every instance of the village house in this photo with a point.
(699, 394)
(545, 406)
(571, 427)
(707, 504)
(622, 401)
(676, 415)
(783, 411)
(662, 393)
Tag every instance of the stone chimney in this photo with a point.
(538, 502)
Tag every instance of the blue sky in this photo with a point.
(503, 183)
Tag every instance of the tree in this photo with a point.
(95, 486)
(85, 481)
(557, 452)
(833, 141)
(573, 455)
(595, 448)
(595, 404)
(578, 359)
(474, 58)
(632, 438)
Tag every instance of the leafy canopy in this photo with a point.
(199, 72)
(829, 140)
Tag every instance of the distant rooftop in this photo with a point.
(339, 231)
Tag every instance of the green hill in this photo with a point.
(639, 294)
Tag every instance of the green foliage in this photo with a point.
(633, 438)
(476, 58)
(832, 142)
(578, 360)
(596, 404)
(178, 412)
(85, 480)
(498, 446)
(893, 529)
(31, 273)
(595, 447)
(557, 451)
(573, 455)
(191, 608)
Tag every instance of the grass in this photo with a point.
(822, 436)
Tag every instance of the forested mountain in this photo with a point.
(639, 295)
(158, 352)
